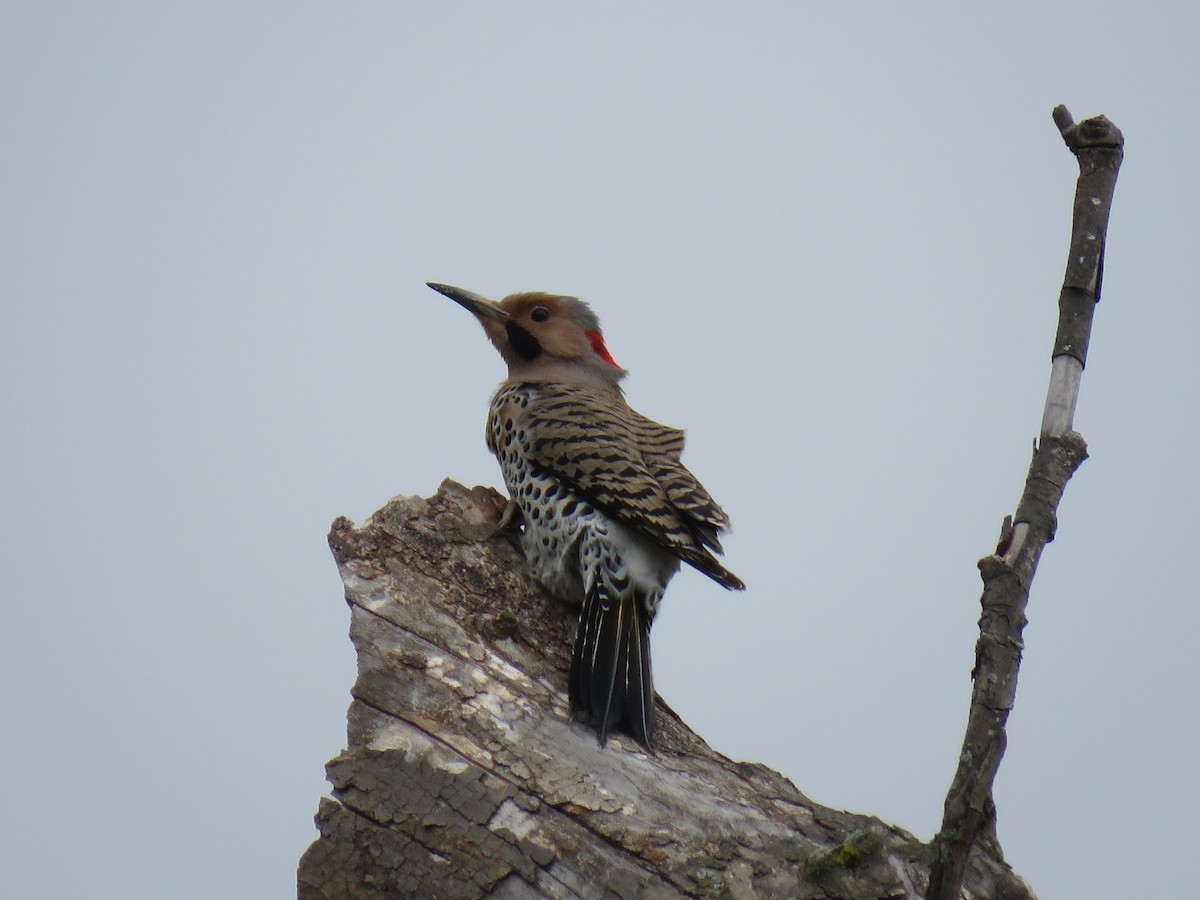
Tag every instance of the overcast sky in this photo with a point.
(828, 243)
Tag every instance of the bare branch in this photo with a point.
(1007, 575)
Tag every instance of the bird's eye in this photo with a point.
(539, 314)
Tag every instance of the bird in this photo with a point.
(609, 511)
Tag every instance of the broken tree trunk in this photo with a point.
(465, 775)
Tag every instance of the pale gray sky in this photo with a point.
(829, 243)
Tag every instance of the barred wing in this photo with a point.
(629, 466)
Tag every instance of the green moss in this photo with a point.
(861, 847)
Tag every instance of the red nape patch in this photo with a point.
(597, 340)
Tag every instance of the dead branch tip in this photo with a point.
(1097, 131)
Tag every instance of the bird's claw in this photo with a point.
(511, 524)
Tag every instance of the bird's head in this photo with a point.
(542, 337)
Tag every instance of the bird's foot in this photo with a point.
(511, 524)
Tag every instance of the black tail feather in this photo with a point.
(611, 680)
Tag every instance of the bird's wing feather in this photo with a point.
(628, 466)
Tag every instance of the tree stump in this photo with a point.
(465, 775)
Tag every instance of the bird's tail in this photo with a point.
(610, 678)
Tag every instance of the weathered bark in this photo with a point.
(466, 777)
(1008, 573)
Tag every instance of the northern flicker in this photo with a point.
(609, 510)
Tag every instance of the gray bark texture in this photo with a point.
(465, 776)
(970, 810)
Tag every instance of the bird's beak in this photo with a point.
(480, 306)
